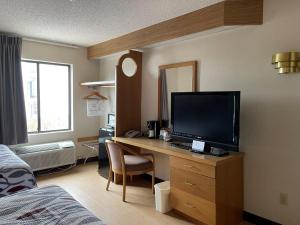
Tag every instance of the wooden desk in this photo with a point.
(207, 189)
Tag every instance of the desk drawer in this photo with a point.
(197, 208)
(188, 165)
(193, 183)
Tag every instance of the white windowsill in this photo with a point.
(51, 132)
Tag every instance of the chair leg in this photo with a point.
(153, 180)
(109, 179)
(124, 186)
(115, 178)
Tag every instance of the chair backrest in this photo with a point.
(115, 155)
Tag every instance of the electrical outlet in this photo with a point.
(283, 199)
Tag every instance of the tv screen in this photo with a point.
(212, 117)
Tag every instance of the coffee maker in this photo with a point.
(153, 129)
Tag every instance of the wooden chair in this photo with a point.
(132, 164)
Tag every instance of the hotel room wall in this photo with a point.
(240, 59)
(107, 72)
(83, 70)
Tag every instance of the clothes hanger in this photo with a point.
(96, 94)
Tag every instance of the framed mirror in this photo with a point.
(129, 67)
(177, 77)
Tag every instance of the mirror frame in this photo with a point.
(193, 64)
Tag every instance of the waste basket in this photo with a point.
(162, 195)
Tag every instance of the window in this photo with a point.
(47, 92)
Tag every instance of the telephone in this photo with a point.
(133, 134)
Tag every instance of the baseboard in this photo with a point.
(257, 220)
(53, 170)
(63, 168)
(91, 159)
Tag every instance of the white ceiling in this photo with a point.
(87, 22)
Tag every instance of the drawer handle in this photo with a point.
(188, 166)
(188, 183)
(192, 167)
(189, 206)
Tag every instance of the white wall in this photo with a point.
(240, 59)
(83, 70)
(270, 124)
(107, 72)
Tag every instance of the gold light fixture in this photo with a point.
(287, 62)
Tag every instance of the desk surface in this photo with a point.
(166, 148)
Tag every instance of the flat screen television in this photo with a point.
(212, 117)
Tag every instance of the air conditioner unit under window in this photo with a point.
(49, 155)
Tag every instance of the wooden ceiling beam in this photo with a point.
(225, 13)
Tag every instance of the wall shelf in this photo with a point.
(109, 83)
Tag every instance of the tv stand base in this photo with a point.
(207, 150)
(218, 152)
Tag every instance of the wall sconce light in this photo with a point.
(287, 62)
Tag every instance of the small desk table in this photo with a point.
(93, 146)
(163, 147)
(205, 188)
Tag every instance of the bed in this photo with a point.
(49, 205)
(15, 174)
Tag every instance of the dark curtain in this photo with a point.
(13, 126)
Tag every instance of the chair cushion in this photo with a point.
(137, 163)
